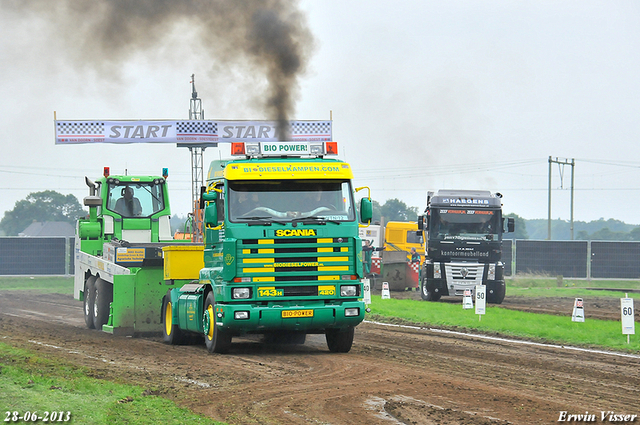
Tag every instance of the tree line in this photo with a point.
(49, 205)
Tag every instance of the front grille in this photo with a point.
(467, 273)
(296, 260)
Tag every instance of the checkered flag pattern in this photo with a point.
(80, 128)
(197, 127)
(415, 267)
(310, 128)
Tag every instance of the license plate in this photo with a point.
(296, 313)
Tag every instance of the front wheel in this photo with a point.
(102, 303)
(171, 332)
(427, 294)
(216, 340)
(340, 340)
(498, 294)
(88, 295)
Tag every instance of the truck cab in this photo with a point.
(464, 244)
(282, 255)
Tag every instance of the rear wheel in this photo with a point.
(216, 340)
(340, 340)
(427, 294)
(171, 332)
(102, 301)
(89, 290)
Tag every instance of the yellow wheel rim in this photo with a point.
(212, 324)
(168, 318)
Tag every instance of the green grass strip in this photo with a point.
(42, 284)
(539, 327)
(29, 383)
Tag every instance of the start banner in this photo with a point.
(187, 131)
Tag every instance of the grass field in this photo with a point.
(29, 383)
(603, 334)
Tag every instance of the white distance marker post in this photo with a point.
(481, 300)
(366, 287)
(385, 291)
(626, 309)
(467, 301)
(578, 311)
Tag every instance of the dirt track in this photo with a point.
(392, 375)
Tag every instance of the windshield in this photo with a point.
(135, 199)
(286, 200)
(446, 224)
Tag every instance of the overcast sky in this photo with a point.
(424, 95)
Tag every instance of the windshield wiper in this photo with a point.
(261, 219)
(313, 219)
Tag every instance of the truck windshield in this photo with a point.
(135, 199)
(286, 200)
(450, 224)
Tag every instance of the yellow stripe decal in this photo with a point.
(329, 259)
(325, 240)
(263, 279)
(259, 270)
(258, 260)
(328, 277)
(325, 249)
(266, 251)
(265, 241)
(246, 251)
(333, 268)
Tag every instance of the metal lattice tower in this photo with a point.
(197, 169)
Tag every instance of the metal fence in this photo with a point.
(571, 259)
(36, 256)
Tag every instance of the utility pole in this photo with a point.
(560, 162)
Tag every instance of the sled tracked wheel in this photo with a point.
(340, 340)
(89, 290)
(216, 340)
(171, 332)
(102, 300)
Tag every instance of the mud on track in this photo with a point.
(392, 375)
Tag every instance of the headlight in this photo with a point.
(348, 291)
(351, 312)
(241, 293)
(491, 274)
(436, 271)
(241, 315)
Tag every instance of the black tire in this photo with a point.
(103, 296)
(428, 295)
(498, 294)
(89, 290)
(171, 332)
(340, 340)
(216, 340)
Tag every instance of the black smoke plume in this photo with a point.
(270, 35)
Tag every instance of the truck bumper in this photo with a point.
(309, 318)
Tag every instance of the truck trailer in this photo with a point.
(282, 255)
(463, 247)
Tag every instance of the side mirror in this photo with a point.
(210, 210)
(420, 223)
(511, 225)
(366, 210)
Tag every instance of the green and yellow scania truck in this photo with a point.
(281, 254)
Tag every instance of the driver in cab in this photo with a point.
(128, 205)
